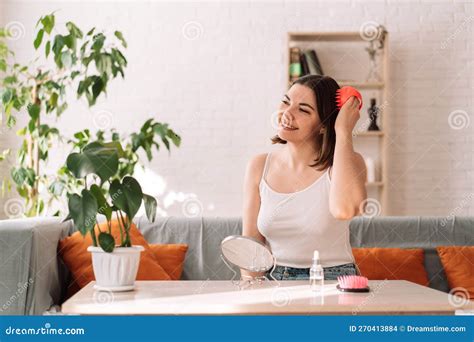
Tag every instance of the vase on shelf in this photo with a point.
(373, 114)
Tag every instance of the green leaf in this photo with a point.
(73, 29)
(97, 87)
(23, 176)
(83, 211)
(53, 100)
(99, 40)
(103, 206)
(34, 111)
(47, 48)
(3, 65)
(174, 137)
(39, 39)
(107, 242)
(126, 196)
(119, 35)
(6, 96)
(150, 207)
(94, 158)
(10, 79)
(117, 146)
(48, 22)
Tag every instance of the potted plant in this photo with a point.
(105, 192)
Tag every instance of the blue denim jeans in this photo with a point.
(293, 273)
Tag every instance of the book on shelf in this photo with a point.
(313, 62)
(304, 63)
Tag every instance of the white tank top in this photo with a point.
(295, 224)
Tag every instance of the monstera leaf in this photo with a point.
(103, 207)
(107, 242)
(95, 158)
(126, 196)
(83, 211)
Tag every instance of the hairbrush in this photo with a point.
(345, 93)
(352, 283)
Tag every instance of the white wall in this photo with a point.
(219, 89)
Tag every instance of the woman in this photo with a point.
(300, 198)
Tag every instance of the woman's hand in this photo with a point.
(348, 116)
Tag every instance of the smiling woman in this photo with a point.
(300, 197)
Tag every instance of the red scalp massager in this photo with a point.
(345, 93)
(352, 283)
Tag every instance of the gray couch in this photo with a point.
(32, 278)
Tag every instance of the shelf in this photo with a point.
(357, 85)
(374, 184)
(325, 37)
(362, 85)
(369, 134)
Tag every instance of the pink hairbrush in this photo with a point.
(345, 93)
(352, 283)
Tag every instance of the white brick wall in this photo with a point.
(219, 90)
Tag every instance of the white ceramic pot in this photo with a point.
(115, 271)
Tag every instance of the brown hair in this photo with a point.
(324, 89)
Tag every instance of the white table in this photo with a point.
(387, 297)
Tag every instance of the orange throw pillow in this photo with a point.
(392, 264)
(171, 258)
(73, 251)
(458, 264)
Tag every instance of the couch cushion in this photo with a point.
(392, 264)
(171, 258)
(73, 250)
(415, 232)
(458, 262)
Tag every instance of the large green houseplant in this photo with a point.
(68, 61)
(108, 191)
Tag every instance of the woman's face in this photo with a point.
(298, 119)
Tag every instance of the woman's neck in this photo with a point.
(299, 156)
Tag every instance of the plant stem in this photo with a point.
(126, 224)
(94, 238)
(121, 229)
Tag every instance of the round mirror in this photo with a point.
(247, 253)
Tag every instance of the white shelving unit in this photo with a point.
(343, 57)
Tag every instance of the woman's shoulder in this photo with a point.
(255, 165)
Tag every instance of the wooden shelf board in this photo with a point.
(374, 183)
(369, 134)
(325, 36)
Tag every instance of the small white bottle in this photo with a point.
(316, 274)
